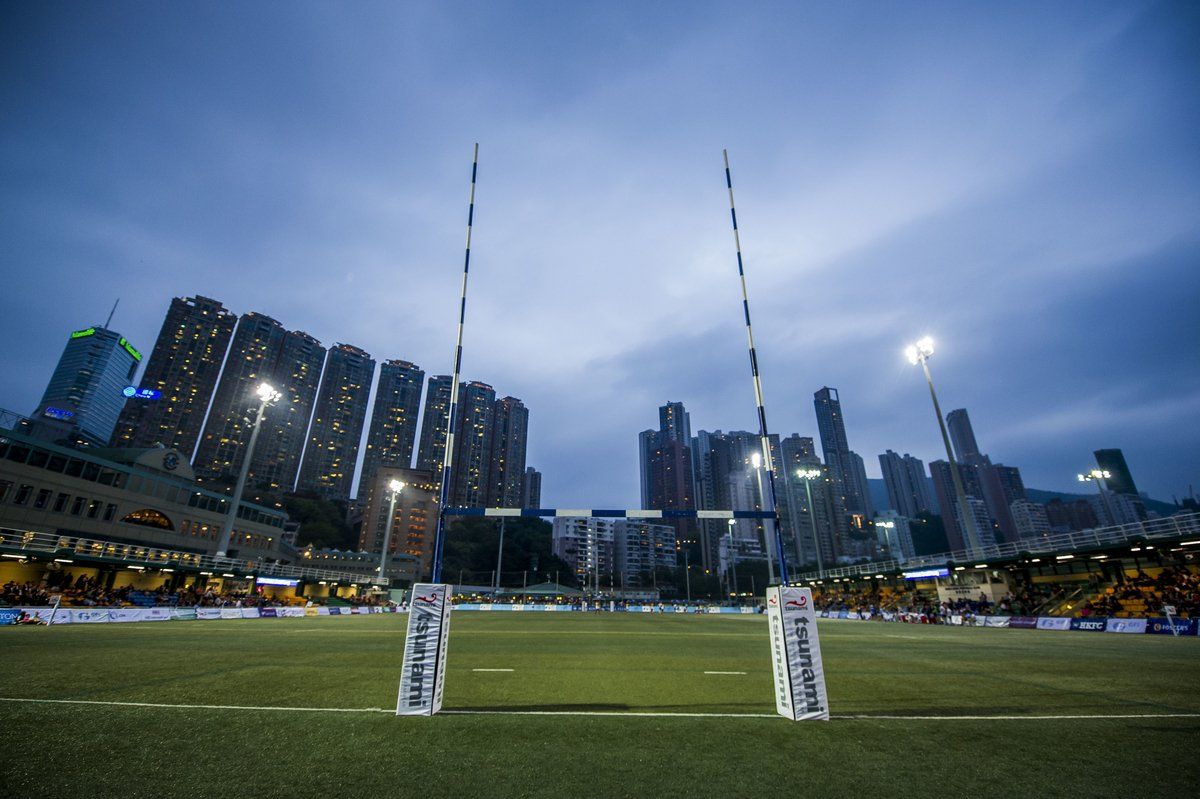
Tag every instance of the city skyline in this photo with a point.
(1048, 250)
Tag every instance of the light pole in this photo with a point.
(768, 543)
(920, 353)
(887, 528)
(687, 572)
(395, 487)
(1095, 476)
(499, 555)
(267, 395)
(808, 475)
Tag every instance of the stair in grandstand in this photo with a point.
(1062, 605)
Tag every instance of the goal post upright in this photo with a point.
(439, 539)
(764, 436)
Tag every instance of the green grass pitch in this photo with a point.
(1021, 686)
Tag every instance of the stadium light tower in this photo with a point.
(808, 475)
(267, 395)
(1096, 476)
(733, 557)
(394, 488)
(920, 353)
(768, 542)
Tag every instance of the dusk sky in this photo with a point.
(1019, 180)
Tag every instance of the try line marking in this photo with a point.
(724, 672)
(491, 669)
(652, 714)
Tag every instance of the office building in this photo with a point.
(848, 498)
(183, 369)
(391, 437)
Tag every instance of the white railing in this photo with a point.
(63, 546)
(1171, 528)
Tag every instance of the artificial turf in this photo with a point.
(597, 663)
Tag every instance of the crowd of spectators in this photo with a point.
(86, 591)
(1176, 587)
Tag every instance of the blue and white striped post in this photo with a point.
(439, 540)
(765, 439)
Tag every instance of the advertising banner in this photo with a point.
(267, 613)
(312, 610)
(230, 613)
(185, 614)
(335, 611)
(9, 615)
(1023, 622)
(251, 613)
(89, 615)
(208, 613)
(424, 669)
(996, 621)
(1125, 626)
(796, 655)
(1092, 624)
(292, 613)
(1053, 623)
(1160, 626)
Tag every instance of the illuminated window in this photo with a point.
(147, 517)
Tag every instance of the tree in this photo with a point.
(470, 549)
(928, 534)
(322, 522)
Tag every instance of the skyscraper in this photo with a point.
(332, 451)
(666, 465)
(84, 396)
(184, 366)
(531, 488)
(296, 375)
(848, 498)
(415, 521)
(471, 473)
(962, 436)
(907, 488)
(431, 450)
(251, 361)
(1120, 479)
(807, 528)
(393, 430)
(510, 434)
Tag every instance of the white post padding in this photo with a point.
(424, 671)
(800, 693)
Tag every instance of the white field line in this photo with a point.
(491, 669)
(724, 672)
(838, 716)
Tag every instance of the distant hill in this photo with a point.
(879, 497)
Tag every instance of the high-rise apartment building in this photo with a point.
(1030, 519)
(510, 434)
(393, 431)
(470, 478)
(296, 375)
(251, 361)
(432, 448)
(183, 367)
(262, 351)
(331, 455)
(84, 397)
(415, 522)
(588, 546)
(531, 488)
(639, 549)
(665, 459)
(908, 490)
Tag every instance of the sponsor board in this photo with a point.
(230, 613)
(996, 621)
(1125, 626)
(1091, 624)
(185, 614)
(208, 613)
(89, 616)
(9, 615)
(292, 613)
(312, 610)
(796, 655)
(1023, 622)
(251, 613)
(267, 613)
(424, 669)
(1162, 626)
(1053, 623)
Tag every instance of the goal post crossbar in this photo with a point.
(610, 513)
